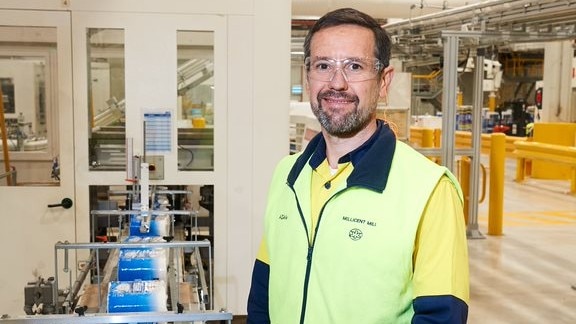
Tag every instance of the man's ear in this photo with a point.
(386, 76)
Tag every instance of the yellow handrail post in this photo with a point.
(496, 201)
(520, 169)
(465, 184)
(5, 147)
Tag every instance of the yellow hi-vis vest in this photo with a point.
(359, 266)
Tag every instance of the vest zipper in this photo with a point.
(310, 247)
(306, 280)
(308, 257)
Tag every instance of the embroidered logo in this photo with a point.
(355, 234)
(283, 216)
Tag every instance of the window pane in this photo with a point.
(195, 77)
(106, 94)
(27, 57)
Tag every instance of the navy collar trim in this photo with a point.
(372, 160)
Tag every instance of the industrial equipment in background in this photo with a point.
(150, 265)
(21, 136)
(195, 132)
(514, 117)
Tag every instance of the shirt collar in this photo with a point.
(371, 160)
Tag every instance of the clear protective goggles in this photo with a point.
(353, 69)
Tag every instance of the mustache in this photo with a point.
(336, 95)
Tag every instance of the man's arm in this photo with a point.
(441, 275)
(258, 298)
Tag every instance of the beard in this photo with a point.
(340, 124)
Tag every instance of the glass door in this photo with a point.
(37, 176)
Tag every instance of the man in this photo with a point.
(359, 227)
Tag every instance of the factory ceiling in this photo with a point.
(489, 24)
(495, 24)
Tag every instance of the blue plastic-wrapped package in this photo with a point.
(142, 263)
(137, 296)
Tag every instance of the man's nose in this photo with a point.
(339, 79)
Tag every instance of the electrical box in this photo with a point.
(156, 167)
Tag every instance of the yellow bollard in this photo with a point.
(496, 200)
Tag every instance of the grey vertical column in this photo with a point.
(449, 99)
(472, 228)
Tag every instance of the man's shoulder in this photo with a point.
(408, 152)
(287, 162)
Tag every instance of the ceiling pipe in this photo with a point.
(489, 14)
(450, 13)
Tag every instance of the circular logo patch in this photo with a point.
(355, 234)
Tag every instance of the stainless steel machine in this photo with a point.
(151, 266)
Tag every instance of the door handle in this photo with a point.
(66, 203)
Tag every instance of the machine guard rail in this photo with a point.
(142, 317)
(132, 317)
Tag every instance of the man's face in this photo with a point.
(343, 106)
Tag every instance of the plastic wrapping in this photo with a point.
(137, 296)
(159, 226)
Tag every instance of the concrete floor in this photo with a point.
(527, 274)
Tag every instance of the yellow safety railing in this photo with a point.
(463, 139)
(498, 146)
(426, 83)
(430, 76)
(562, 154)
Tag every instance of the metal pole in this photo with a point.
(472, 230)
(449, 100)
(55, 284)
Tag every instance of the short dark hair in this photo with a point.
(349, 16)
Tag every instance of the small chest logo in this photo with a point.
(355, 234)
(283, 216)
